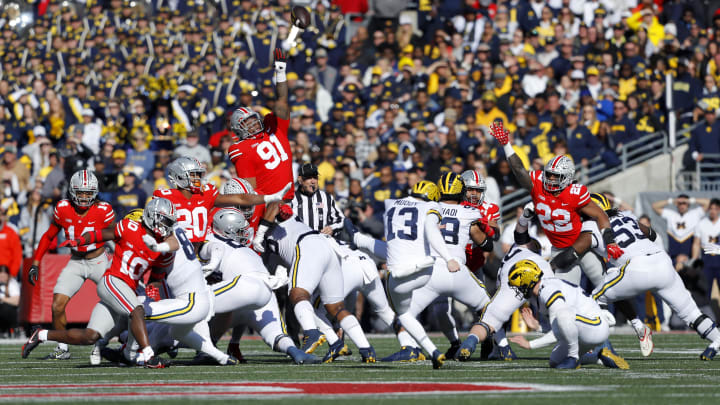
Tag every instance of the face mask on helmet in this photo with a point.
(475, 195)
(230, 223)
(83, 189)
(246, 123)
(159, 217)
(187, 174)
(558, 174)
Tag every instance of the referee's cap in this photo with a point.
(308, 170)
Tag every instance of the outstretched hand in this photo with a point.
(499, 132)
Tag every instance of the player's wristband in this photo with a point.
(608, 236)
(692, 200)
(509, 151)
(96, 236)
(669, 201)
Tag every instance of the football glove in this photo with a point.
(498, 132)
(33, 274)
(614, 251)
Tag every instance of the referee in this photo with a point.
(315, 208)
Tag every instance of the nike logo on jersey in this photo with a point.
(564, 205)
(91, 222)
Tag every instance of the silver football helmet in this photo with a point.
(239, 186)
(83, 188)
(474, 181)
(230, 223)
(187, 173)
(245, 123)
(159, 216)
(563, 171)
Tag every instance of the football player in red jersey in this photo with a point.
(132, 259)
(79, 215)
(194, 200)
(558, 204)
(262, 153)
(475, 197)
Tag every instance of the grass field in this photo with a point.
(673, 374)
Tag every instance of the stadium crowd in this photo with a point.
(396, 93)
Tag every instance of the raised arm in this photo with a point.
(658, 206)
(516, 164)
(282, 108)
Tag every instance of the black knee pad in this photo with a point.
(696, 325)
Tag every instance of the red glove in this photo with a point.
(72, 242)
(614, 251)
(498, 132)
(280, 56)
(286, 212)
(152, 292)
(486, 228)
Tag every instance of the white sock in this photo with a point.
(406, 340)
(416, 330)
(284, 344)
(42, 335)
(305, 315)
(499, 338)
(639, 326)
(327, 330)
(351, 327)
(62, 346)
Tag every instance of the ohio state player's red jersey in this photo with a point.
(267, 158)
(132, 258)
(475, 256)
(193, 215)
(559, 215)
(98, 216)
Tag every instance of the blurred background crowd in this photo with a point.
(384, 93)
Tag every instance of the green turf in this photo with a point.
(673, 374)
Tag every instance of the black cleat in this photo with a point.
(32, 342)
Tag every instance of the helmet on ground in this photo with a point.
(83, 188)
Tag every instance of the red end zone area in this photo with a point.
(72, 392)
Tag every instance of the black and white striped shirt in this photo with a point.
(318, 210)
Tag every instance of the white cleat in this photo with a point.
(646, 342)
(95, 357)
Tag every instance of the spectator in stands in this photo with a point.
(622, 129)
(10, 248)
(705, 138)
(681, 223)
(129, 196)
(14, 171)
(708, 231)
(9, 301)
(194, 149)
(34, 221)
(582, 145)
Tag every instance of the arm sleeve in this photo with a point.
(434, 237)
(44, 243)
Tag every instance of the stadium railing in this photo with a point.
(705, 177)
(631, 154)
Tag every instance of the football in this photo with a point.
(300, 17)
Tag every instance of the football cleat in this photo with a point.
(438, 359)
(708, 354)
(612, 360)
(300, 357)
(452, 350)
(232, 361)
(333, 351)
(156, 362)
(419, 353)
(570, 363)
(312, 339)
(95, 356)
(233, 349)
(58, 354)
(406, 354)
(467, 348)
(345, 351)
(204, 359)
(646, 342)
(504, 353)
(32, 342)
(368, 355)
(115, 356)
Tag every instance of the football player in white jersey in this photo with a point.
(707, 231)
(645, 266)
(460, 226)
(575, 318)
(314, 266)
(411, 229)
(225, 249)
(505, 301)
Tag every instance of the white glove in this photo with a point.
(711, 249)
(280, 67)
(528, 213)
(154, 245)
(271, 198)
(259, 238)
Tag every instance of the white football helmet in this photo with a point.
(245, 123)
(562, 167)
(159, 217)
(83, 188)
(239, 186)
(230, 223)
(180, 171)
(474, 181)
